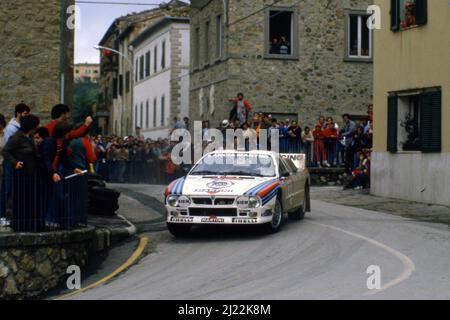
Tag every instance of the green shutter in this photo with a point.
(421, 12)
(395, 15)
(392, 127)
(431, 121)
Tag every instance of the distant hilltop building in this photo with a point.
(89, 72)
(36, 59)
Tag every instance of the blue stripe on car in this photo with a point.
(270, 196)
(255, 190)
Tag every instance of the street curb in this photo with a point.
(107, 237)
(132, 260)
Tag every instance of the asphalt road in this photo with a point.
(326, 256)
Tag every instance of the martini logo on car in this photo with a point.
(218, 185)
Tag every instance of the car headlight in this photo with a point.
(172, 200)
(254, 202)
(242, 202)
(184, 202)
(249, 202)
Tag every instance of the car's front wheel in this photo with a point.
(277, 218)
(179, 230)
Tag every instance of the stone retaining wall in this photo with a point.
(32, 264)
(328, 177)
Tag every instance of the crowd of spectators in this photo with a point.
(58, 150)
(36, 159)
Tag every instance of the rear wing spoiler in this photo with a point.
(299, 159)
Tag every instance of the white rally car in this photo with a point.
(239, 188)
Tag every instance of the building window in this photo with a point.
(281, 30)
(121, 85)
(407, 14)
(115, 88)
(358, 37)
(141, 68)
(155, 113)
(163, 55)
(147, 114)
(136, 71)
(155, 57)
(196, 55)
(163, 111)
(141, 115)
(414, 121)
(219, 36)
(206, 44)
(127, 82)
(147, 64)
(135, 116)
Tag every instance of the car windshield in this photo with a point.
(253, 165)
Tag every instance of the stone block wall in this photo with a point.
(32, 264)
(30, 46)
(319, 82)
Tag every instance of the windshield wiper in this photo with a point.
(243, 173)
(204, 173)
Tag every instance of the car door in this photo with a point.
(298, 184)
(287, 183)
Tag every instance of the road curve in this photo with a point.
(326, 256)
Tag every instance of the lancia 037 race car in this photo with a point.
(239, 188)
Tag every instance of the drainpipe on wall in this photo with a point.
(62, 49)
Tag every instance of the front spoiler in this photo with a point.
(219, 220)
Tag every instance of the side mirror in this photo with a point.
(186, 169)
(286, 174)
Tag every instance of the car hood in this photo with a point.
(221, 185)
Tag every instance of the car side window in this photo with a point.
(284, 169)
(292, 166)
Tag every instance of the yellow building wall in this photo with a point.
(411, 59)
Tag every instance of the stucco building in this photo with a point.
(292, 59)
(118, 71)
(36, 59)
(87, 72)
(161, 87)
(411, 158)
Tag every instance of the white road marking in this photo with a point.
(408, 265)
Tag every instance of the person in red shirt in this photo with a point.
(242, 110)
(331, 137)
(320, 154)
(60, 113)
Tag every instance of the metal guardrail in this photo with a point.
(39, 205)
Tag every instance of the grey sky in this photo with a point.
(95, 21)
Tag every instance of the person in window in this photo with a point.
(275, 46)
(410, 16)
(285, 46)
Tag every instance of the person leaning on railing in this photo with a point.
(22, 153)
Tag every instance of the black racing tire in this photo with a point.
(179, 230)
(277, 220)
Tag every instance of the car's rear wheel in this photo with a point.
(277, 218)
(179, 230)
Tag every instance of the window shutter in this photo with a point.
(392, 123)
(395, 15)
(431, 121)
(421, 12)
